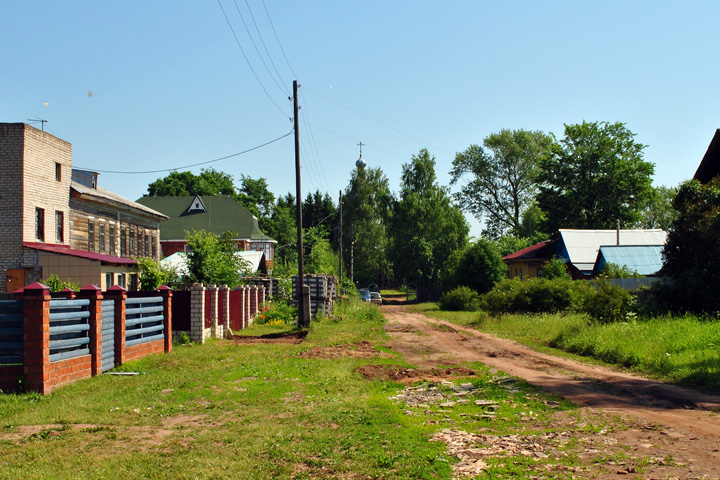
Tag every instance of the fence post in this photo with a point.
(94, 294)
(119, 294)
(197, 313)
(246, 306)
(166, 293)
(213, 292)
(224, 307)
(36, 332)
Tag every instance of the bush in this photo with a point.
(277, 313)
(460, 299)
(54, 283)
(609, 303)
(535, 295)
(555, 268)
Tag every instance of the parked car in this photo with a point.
(365, 295)
(375, 298)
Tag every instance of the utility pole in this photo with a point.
(302, 320)
(341, 237)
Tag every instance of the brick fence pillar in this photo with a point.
(197, 313)
(119, 295)
(166, 293)
(36, 345)
(212, 291)
(223, 311)
(94, 294)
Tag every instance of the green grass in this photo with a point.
(681, 350)
(255, 411)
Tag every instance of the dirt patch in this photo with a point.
(363, 349)
(406, 375)
(290, 337)
(667, 432)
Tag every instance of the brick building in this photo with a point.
(56, 220)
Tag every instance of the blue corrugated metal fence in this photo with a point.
(11, 332)
(69, 329)
(108, 335)
(143, 320)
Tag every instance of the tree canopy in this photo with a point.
(692, 252)
(427, 227)
(502, 178)
(594, 177)
(209, 182)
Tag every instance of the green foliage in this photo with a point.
(322, 258)
(595, 176)
(256, 197)
(555, 268)
(460, 299)
(54, 283)
(212, 259)
(508, 244)
(427, 227)
(609, 303)
(366, 204)
(659, 211)
(152, 275)
(536, 295)
(209, 182)
(692, 253)
(277, 313)
(613, 270)
(282, 227)
(479, 266)
(502, 178)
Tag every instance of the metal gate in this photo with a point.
(108, 335)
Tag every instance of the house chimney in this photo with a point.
(617, 240)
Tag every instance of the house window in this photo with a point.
(133, 283)
(121, 280)
(154, 247)
(58, 172)
(111, 231)
(40, 224)
(139, 245)
(91, 236)
(131, 251)
(123, 242)
(102, 238)
(147, 245)
(59, 227)
(109, 280)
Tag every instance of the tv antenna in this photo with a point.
(38, 120)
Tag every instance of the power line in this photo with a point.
(278, 39)
(193, 165)
(248, 61)
(379, 122)
(264, 45)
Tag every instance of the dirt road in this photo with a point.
(680, 424)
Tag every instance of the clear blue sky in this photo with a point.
(149, 85)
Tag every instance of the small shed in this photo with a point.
(643, 259)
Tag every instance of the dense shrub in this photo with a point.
(460, 299)
(555, 268)
(479, 266)
(609, 303)
(535, 295)
(277, 313)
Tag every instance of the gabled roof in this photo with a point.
(222, 214)
(100, 195)
(66, 250)
(540, 250)
(643, 259)
(710, 165)
(581, 247)
(178, 261)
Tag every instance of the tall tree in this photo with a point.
(659, 211)
(365, 211)
(595, 177)
(427, 227)
(319, 211)
(257, 198)
(502, 178)
(692, 252)
(209, 182)
(282, 227)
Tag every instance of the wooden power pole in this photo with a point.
(302, 320)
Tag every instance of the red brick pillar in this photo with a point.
(119, 295)
(94, 294)
(166, 293)
(36, 348)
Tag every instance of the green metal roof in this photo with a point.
(220, 214)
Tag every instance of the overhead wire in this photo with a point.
(262, 40)
(195, 164)
(278, 39)
(285, 91)
(237, 41)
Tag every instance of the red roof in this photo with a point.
(529, 252)
(66, 250)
